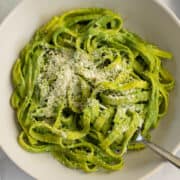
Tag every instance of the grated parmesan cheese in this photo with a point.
(60, 71)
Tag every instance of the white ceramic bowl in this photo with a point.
(148, 18)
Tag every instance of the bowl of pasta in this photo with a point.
(80, 78)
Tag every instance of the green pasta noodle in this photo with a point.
(84, 85)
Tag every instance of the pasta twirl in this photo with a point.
(84, 85)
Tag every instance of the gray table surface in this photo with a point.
(8, 170)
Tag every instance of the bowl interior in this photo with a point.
(148, 19)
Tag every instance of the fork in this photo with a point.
(159, 150)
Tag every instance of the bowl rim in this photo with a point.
(161, 164)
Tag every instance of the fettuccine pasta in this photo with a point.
(84, 85)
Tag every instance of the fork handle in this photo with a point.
(163, 153)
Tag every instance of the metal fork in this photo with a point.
(159, 150)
